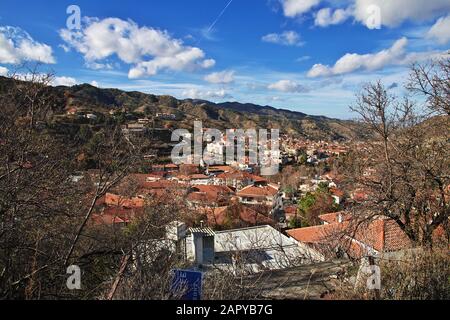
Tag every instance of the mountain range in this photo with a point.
(225, 115)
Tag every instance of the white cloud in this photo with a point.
(64, 47)
(64, 81)
(222, 77)
(287, 38)
(440, 31)
(325, 17)
(148, 50)
(394, 12)
(319, 70)
(17, 46)
(303, 58)
(185, 60)
(372, 13)
(293, 8)
(287, 86)
(194, 93)
(95, 84)
(208, 63)
(373, 61)
(99, 66)
(3, 71)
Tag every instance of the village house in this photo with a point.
(236, 215)
(209, 196)
(114, 200)
(134, 129)
(113, 216)
(200, 179)
(260, 194)
(339, 234)
(179, 178)
(166, 116)
(337, 195)
(170, 168)
(216, 170)
(236, 179)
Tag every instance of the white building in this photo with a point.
(247, 250)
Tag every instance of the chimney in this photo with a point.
(176, 231)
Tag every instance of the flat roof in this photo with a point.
(259, 237)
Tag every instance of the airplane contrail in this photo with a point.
(220, 16)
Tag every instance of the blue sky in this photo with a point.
(304, 55)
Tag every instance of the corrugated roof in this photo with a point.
(204, 230)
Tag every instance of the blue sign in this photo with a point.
(187, 285)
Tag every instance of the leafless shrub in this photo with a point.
(417, 275)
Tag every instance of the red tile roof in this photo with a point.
(106, 220)
(209, 194)
(181, 177)
(221, 168)
(219, 216)
(290, 211)
(337, 192)
(258, 178)
(381, 234)
(235, 175)
(115, 215)
(161, 184)
(198, 176)
(258, 191)
(334, 217)
(360, 195)
(116, 200)
(213, 189)
(315, 234)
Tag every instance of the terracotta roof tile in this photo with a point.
(219, 216)
(258, 191)
(333, 217)
(315, 234)
(198, 176)
(221, 168)
(337, 192)
(209, 194)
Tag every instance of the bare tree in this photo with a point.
(404, 169)
(432, 80)
(43, 210)
(35, 189)
(114, 158)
